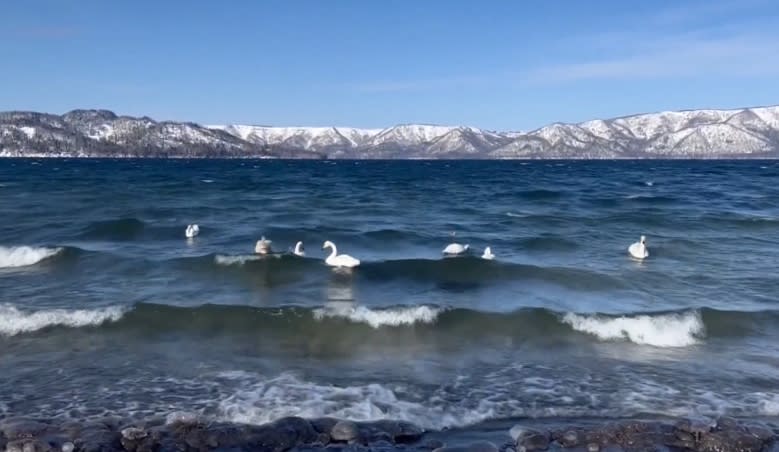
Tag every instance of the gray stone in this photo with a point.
(433, 444)
(612, 448)
(533, 441)
(408, 432)
(729, 440)
(322, 438)
(27, 445)
(697, 426)
(344, 431)
(68, 447)
(684, 436)
(134, 433)
(516, 431)
(301, 428)
(761, 432)
(323, 424)
(480, 446)
(727, 423)
(16, 428)
(569, 439)
(593, 447)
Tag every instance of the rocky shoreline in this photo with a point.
(298, 434)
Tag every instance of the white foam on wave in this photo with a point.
(663, 330)
(381, 317)
(260, 400)
(22, 256)
(222, 259)
(14, 321)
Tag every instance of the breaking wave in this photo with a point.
(382, 317)
(14, 321)
(22, 256)
(665, 330)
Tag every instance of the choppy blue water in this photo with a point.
(105, 306)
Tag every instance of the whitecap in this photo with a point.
(222, 259)
(14, 321)
(662, 330)
(207, 181)
(381, 317)
(22, 256)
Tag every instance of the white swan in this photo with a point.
(336, 260)
(192, 230)
(262, 246)
(488, 254)
(638, 249)
(299, 251)
(454, 249)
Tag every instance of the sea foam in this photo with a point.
(222, 259)
(661, 330)
(381, 317)
(22, 256)
(14, 321)
(260, 400)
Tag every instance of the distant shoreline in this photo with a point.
(771, 157)
(699, 134)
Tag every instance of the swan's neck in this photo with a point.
(297, 248)
(333, 251)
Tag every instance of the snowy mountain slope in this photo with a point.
(750, 132)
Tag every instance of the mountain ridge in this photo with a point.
(704, 133)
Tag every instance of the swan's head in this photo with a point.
(327, 244)
(643, 239)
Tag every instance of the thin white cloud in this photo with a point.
(717, 38)
(676, 56)
(683, 41)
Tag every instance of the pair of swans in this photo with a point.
(263, 246)
(192, 230)
(457, 249)
(333, 260)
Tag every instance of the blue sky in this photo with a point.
(501, 65)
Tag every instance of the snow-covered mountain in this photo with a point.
(742, 133)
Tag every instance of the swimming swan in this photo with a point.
(454, 249)
(262, 246)
(192, 230)
(488, 254)
(638, 249)
(336, 260)
(299, 251)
